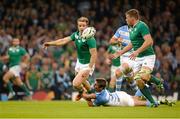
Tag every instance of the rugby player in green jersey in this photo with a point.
(115, 64)
(86, 55)
(143, 54)
(18, 60)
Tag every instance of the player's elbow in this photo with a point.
(152, 42)
(93, 53)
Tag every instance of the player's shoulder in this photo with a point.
(142, 24)
(92, 38)
(10, 48)
(21, 48)
(123, 28)
(75, 35)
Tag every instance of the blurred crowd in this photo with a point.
(35, 22)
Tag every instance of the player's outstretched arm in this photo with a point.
(89, 96)
(115, 40)
(121, 52)
(58, 42)
(90, 103)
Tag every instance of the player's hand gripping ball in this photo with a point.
(88, 32)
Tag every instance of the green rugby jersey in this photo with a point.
(15, 54)
(83, 46)
(112, 49)
(136, 36)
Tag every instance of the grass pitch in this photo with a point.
(68, 109)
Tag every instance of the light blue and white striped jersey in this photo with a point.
(123, 32)
(106, 98)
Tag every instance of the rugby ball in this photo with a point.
(88, 32)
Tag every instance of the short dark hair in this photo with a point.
(133, 13)
(101, 82)
(83, 19)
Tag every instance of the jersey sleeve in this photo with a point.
(95, 103)
(23, 51)
(91, 43)
(8, 52)
(144, 30)
(72, 36)
(117, 34)
(109, 50)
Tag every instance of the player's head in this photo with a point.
(100, 84)
(82, 23)
(132, 16)
(15, 41)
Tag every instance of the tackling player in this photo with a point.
(118, 98)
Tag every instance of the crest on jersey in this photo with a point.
(14, 49)
(76, 36)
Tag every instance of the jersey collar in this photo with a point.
(136, 23)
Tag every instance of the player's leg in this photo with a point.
(19, 83)
(129, 74)
(112, 82)
(87, 86)
(148, 65)
(78, 83)
(139, 102)
(143, 75)
(119, 79)
(6, 78)
(140, 80)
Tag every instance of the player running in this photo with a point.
(86, 52)
(143, 54)
(18, 61)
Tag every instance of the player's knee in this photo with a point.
(145, 74)
(125, 66)
(140, 83)
(5, 78)
(76, 84)
(118, 73)
(112, 82)
(126, 69)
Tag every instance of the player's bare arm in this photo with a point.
(25, 61)
(108, 60)
(121, 52)
(89, 96)
(115, 40)
(148, 41)
(58, 42)
(4, 58)
(93, 52)
(90, 103)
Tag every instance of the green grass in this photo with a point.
(68, 109)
